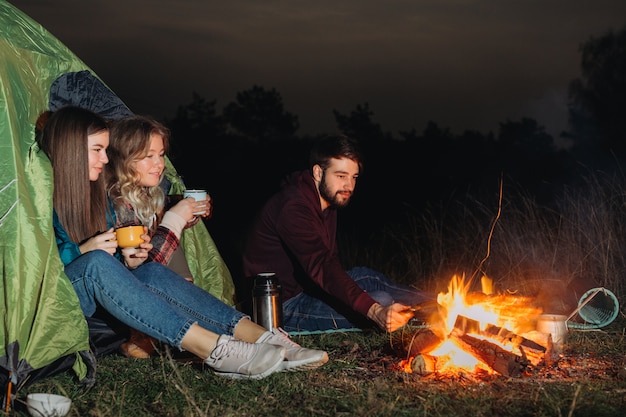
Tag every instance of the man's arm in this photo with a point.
(312, 244)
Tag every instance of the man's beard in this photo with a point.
(332, 199)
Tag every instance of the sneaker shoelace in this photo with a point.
(232, 348)
(285, 340)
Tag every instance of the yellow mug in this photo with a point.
(129, 236)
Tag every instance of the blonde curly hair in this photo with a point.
(129, 142)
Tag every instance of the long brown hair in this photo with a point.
(81, 204)
(130, 139)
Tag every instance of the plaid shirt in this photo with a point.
(164, 243)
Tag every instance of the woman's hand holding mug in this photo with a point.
(104, 241)
(135, 256)
(194, 203)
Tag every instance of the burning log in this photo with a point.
(498, 359)
(417, 342)
(424, 364)
(528, 349)
(506, 336)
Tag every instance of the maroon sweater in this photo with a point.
(294, 238)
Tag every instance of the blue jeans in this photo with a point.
(305, 313)
(152, 298)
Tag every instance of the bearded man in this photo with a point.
(295, 237)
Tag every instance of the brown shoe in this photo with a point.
(139, 345)
(131, 350)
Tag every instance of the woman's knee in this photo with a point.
(88, 263)
(99, 256)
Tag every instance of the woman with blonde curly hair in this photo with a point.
(137, 161)
(135, 203)
(136, 169)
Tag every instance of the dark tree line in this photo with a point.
(597, 110)
(242, 151)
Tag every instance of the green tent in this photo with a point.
(43, 324)
(43, 321)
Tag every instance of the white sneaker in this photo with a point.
(296, 357)
(235, 359)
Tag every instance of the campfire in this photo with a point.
(478, 332)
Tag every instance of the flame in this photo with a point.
(512, 312)
(456, 303)
(456, 357)
(458, 307)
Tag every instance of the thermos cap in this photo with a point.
(266, 284)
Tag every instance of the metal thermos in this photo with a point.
(267, 303)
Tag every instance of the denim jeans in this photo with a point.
(151, 298)
(305, 313)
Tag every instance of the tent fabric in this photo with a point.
(83, 89)
(42, 317)
(43, 323)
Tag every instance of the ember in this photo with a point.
(479, 332)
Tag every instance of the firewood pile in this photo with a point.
(506, 334)
(496, 348)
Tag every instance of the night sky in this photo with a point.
(465, 64)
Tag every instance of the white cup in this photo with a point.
(555, 325)
(198, 195)
(47, 405)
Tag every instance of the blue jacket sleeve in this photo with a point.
(68, 250)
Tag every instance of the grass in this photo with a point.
(362, 379)
(523, 246)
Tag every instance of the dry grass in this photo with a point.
(575, 244)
